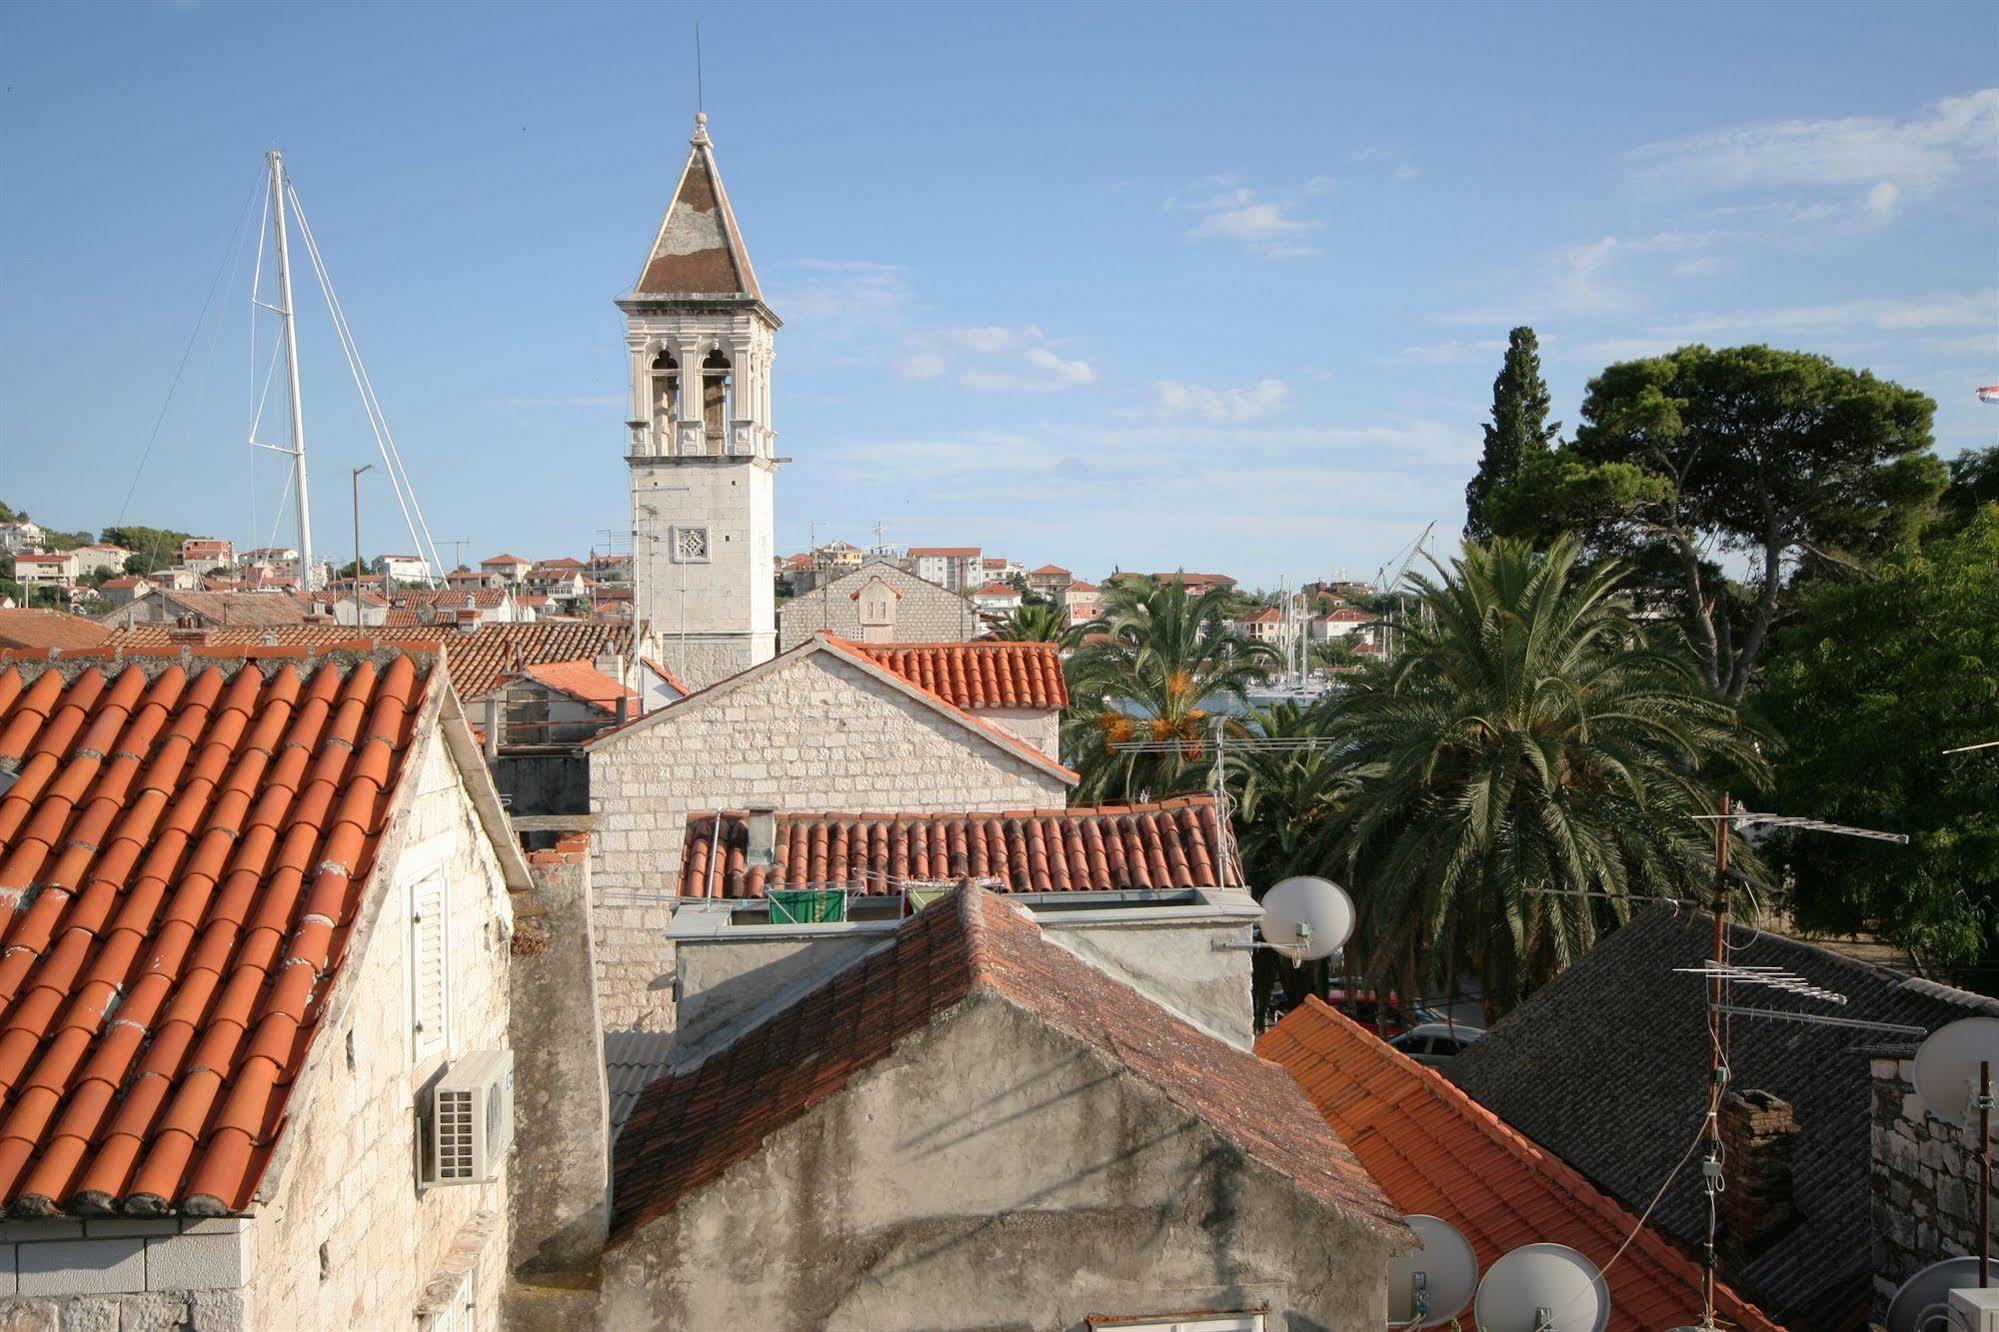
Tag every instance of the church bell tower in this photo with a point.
(703, 464)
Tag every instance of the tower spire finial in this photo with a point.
(700, 138)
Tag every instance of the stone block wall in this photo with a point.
(1924, 1187)
(925, 613)
(1040, 727)
(813, 734)
(345, 1236)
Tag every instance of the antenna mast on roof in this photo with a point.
(700, 93)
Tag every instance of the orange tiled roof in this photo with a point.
(182, 855)
(688, 1129)
(586, 684)
(976, 676)
(49, 629)
(1436, 1151)
(481, 658)
(1171, 844)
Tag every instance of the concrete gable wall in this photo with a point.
(814, 734)
(993, 1173)
(344, 1239)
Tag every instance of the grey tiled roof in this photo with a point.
(632, 1059)
(1607, 1068)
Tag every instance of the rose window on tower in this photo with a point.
(690, 545)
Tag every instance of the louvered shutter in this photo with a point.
(429, 997)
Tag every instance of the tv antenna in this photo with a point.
(1432, 1286)
(1542, 1288)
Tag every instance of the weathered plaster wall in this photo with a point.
(345, 1239)
(814, 734)
(991, 1173)
(1175, 961)
(1922, 1183)
(1040, 727)
(925, 613)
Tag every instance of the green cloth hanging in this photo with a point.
(807, 906)
(920, 898)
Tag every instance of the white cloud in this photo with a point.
(992, 358)
(1979, 310)
(1265, 398)
(1852, 150)
(1457, 351)
(1881, 200)
(1266, 227)
(842, 293)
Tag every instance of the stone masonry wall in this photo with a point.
(345, 1237)
(1922, 1188)
(1040, 727)
(925, 613)
(816, 734)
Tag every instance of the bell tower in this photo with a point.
(702, 455)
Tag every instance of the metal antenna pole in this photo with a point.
(1717, 1061)
(276, 161)
(356, 584)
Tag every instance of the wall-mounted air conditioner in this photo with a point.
(470, 1123)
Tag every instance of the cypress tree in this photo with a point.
(1519, 429)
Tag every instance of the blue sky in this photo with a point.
(1217, 287)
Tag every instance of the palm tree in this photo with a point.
(1151, 667)
(1530, 761)
(1036, 622)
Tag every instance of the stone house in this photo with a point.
(172, 606)
(255, 907)
(968, 1125)
(878, 603)
(824, 725)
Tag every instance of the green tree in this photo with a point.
(1158, 659)
(1869, 685)
(153, 548)
(1528, 736)
(1974, 486)
(1519, 429)
(1781, 461)
(1036, 623)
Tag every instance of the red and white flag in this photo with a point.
(1989, 393)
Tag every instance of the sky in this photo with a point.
(1211, 287)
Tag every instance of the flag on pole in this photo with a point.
(1989, 393)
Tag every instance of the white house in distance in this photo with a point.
(402, 568)
(50, 569)
(207, 554)
(997, 598)
(100, 557)
(954, 567)
(1079, 601)
(304, 940)
(506, 568)
(21, 535)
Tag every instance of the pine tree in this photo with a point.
(1519, 429)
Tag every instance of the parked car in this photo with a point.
(1436, 1043)
(1386, 1020)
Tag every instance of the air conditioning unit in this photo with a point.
(471, 1119)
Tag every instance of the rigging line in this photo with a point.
(257, 405)
(385, 439)
(231, 251)
(377, 425)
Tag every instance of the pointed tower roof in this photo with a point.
(699, 250)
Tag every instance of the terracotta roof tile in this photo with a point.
(1436, 1151)
(1172, 844)
(175, 854)
(586, 684)
(49, 629)
(687, 1129)
(976, 676)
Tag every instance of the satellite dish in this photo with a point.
(1947, 1067)
(1916, 1304)
(1306, 918)
(1542, 1288)
(1438, 1278)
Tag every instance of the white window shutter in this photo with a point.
(429, 983)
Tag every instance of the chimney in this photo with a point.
(187, 634)
(762, 843)
(1757, 1132)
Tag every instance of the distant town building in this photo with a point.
(99, 557)
(997, 598)
(1080, 602)
(507, 568)
(402, 568)
(21, 535)
(205, 554)
(38, 570)
(955, 568)
(1050, 579)
(125, 588)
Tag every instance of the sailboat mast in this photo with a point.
(305, 565)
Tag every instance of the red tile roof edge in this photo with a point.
(1525, 1152)
(825, 641)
